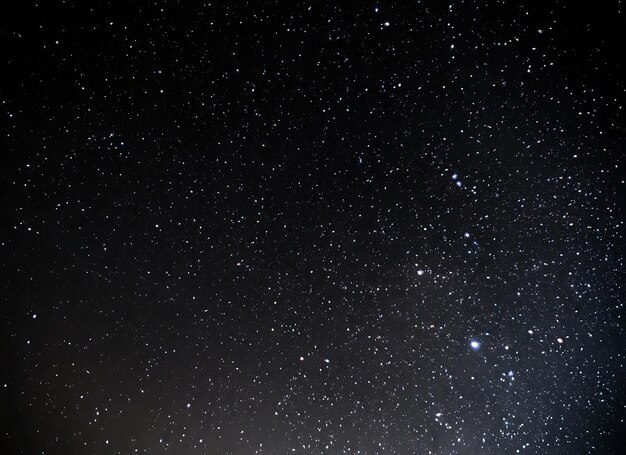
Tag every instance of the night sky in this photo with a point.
(312, 227)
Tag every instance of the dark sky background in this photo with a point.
(312, 227)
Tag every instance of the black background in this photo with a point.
(195, 196)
